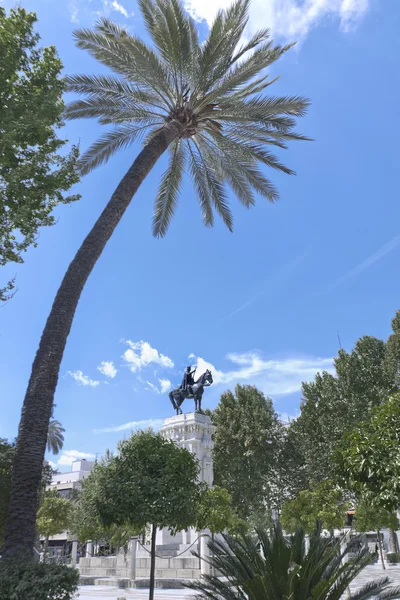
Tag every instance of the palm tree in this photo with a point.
(202, 102)
(55, 438)
(274, 567)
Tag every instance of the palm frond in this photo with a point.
(388, 594)
(223, 38)
(248, 151)
(229, 169)
(127, 55)
(259, 134)
(201, 186)
(216, 188)
(274, 113)
(168, 193)
(370, 589)
(243, 72)
(258, 38)
(115, 87)
(100, 152)
(55, 437)
(148, 66)
(109, 110)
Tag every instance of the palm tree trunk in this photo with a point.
(37, 408)
(152, 561)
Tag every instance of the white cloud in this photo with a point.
(290, 19)
(152, 387)
(86, 10)
(69, 456)
(119, 8)
(83, 379)
(274, 377)
(165, 385)
(107, 368)
(73, 11)
(141, 354)
(133, 426)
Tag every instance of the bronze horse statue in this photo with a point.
(195, 391)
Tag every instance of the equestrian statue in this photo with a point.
(190, 388)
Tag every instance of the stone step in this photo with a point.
(172, 563)
(167, 584)
(170, 573)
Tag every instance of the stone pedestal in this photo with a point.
(192, 431)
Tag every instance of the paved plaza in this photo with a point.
(96, 592)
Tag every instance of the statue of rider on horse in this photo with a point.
(190, 388)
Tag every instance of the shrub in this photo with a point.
(36, 581)
(393, 557)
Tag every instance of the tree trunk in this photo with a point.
(152, 561)
(380, 549)
(394, 546)
(45, 548)
(37, 407)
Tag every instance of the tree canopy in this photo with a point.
(33, 173)
(246, 446)
(87, 523)
(368, 461)
(54, 516)
(150, 480)
(215, 512)
(324, 503)
(369, 517)
(334, 404)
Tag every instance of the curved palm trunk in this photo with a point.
(37, 408)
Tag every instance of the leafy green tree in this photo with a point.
(7, 453)
(54, 516)
(214, 512)
(324, 503)
(33, 174)
(150, 481)
(368, 460)
(284, 569)
(290, 472)
(55, 437)
(332, 405)
(246, 445)
(369, 517)
(205, 104)
(87, 523)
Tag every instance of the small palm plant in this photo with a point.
(273, 567)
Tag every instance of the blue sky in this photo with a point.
(262, 305)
